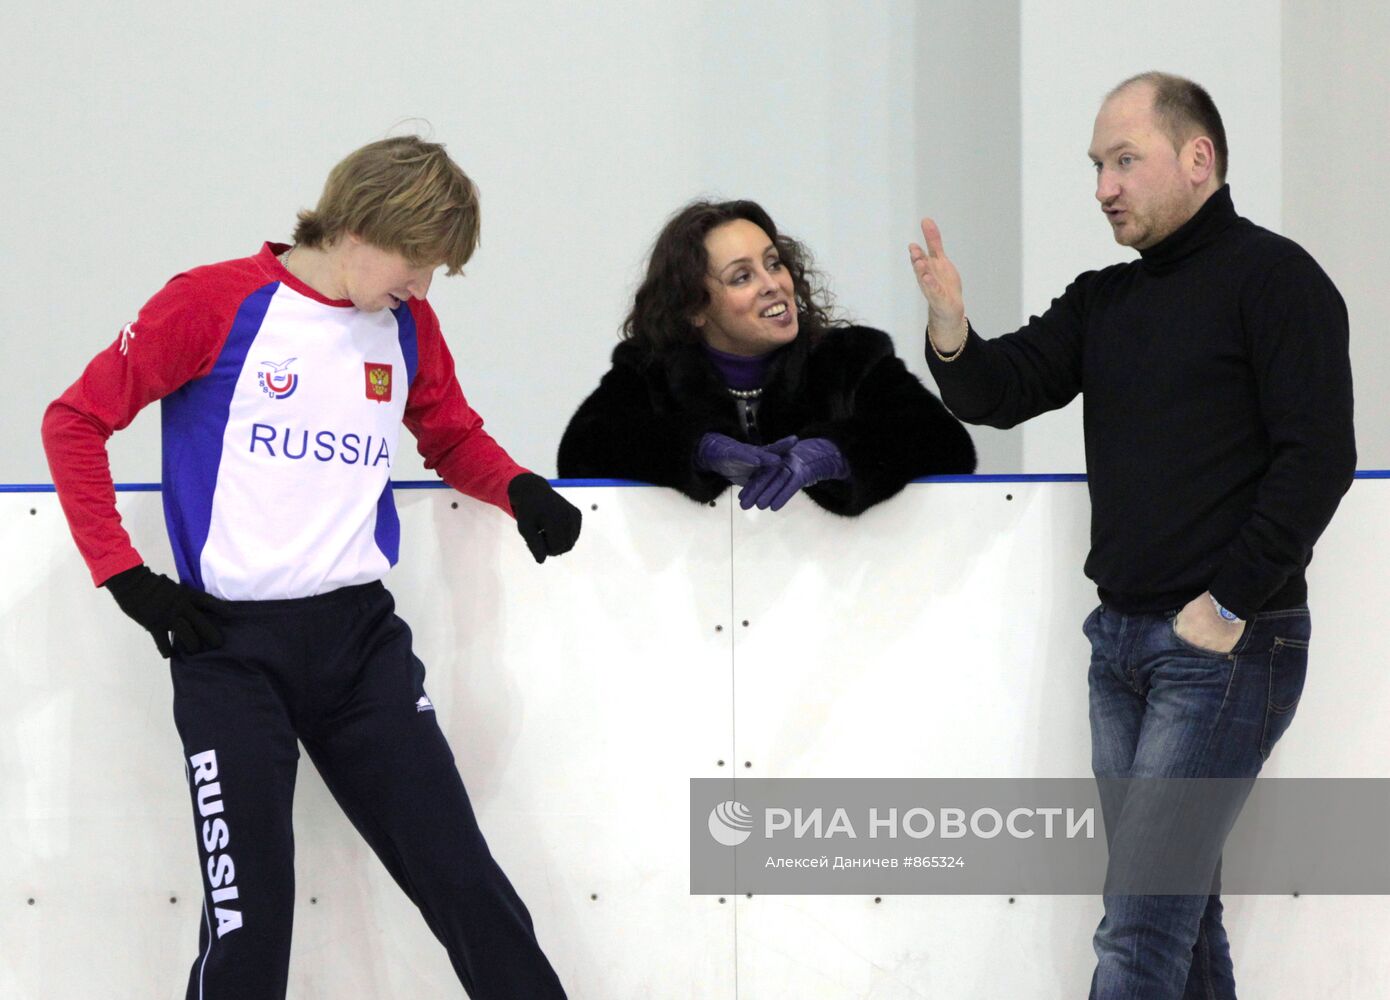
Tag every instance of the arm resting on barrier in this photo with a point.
(635, 426)
(887, 425)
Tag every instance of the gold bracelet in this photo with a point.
(948, 358)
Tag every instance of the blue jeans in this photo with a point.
(1163, 708)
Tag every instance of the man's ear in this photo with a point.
(698, 320)
(1203, 158)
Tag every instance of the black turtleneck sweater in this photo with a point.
(1217, 406)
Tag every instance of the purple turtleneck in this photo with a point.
(739, 372)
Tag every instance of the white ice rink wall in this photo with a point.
(937, 635)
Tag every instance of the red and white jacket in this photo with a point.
(281, 414)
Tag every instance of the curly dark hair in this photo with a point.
(674, 290)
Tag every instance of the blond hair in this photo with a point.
(401, 194)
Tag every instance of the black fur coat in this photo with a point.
(649, 412)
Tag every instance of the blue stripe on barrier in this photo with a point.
(435, 484)
(48, 488)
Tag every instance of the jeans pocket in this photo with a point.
(1288, 668)
(1192, 647)
(1090, 621)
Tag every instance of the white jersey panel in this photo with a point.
(311, 436)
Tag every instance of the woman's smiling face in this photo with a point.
(752, 307)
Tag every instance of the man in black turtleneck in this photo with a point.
(1218, 421)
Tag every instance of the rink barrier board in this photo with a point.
(936, 635)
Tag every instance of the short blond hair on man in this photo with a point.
(401, 194)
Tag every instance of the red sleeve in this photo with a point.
(447, 430)
(174, 339)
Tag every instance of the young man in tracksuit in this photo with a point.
(284, 379)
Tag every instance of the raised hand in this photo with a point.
(939, 281)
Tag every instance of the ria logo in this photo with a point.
(278, 383)
(730, 823)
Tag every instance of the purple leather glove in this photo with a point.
(737, 460)
(811, 461)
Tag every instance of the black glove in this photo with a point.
(163, 607)
(548, 522)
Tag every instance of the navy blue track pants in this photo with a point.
(336, 673)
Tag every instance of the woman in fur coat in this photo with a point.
(732, 370)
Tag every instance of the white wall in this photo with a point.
(1336, 150)
(968, 176)
(938, 635)
(152, 137)
(1074, 51)
(148, 138)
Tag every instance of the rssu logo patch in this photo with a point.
(279, 382)
(378, 382)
